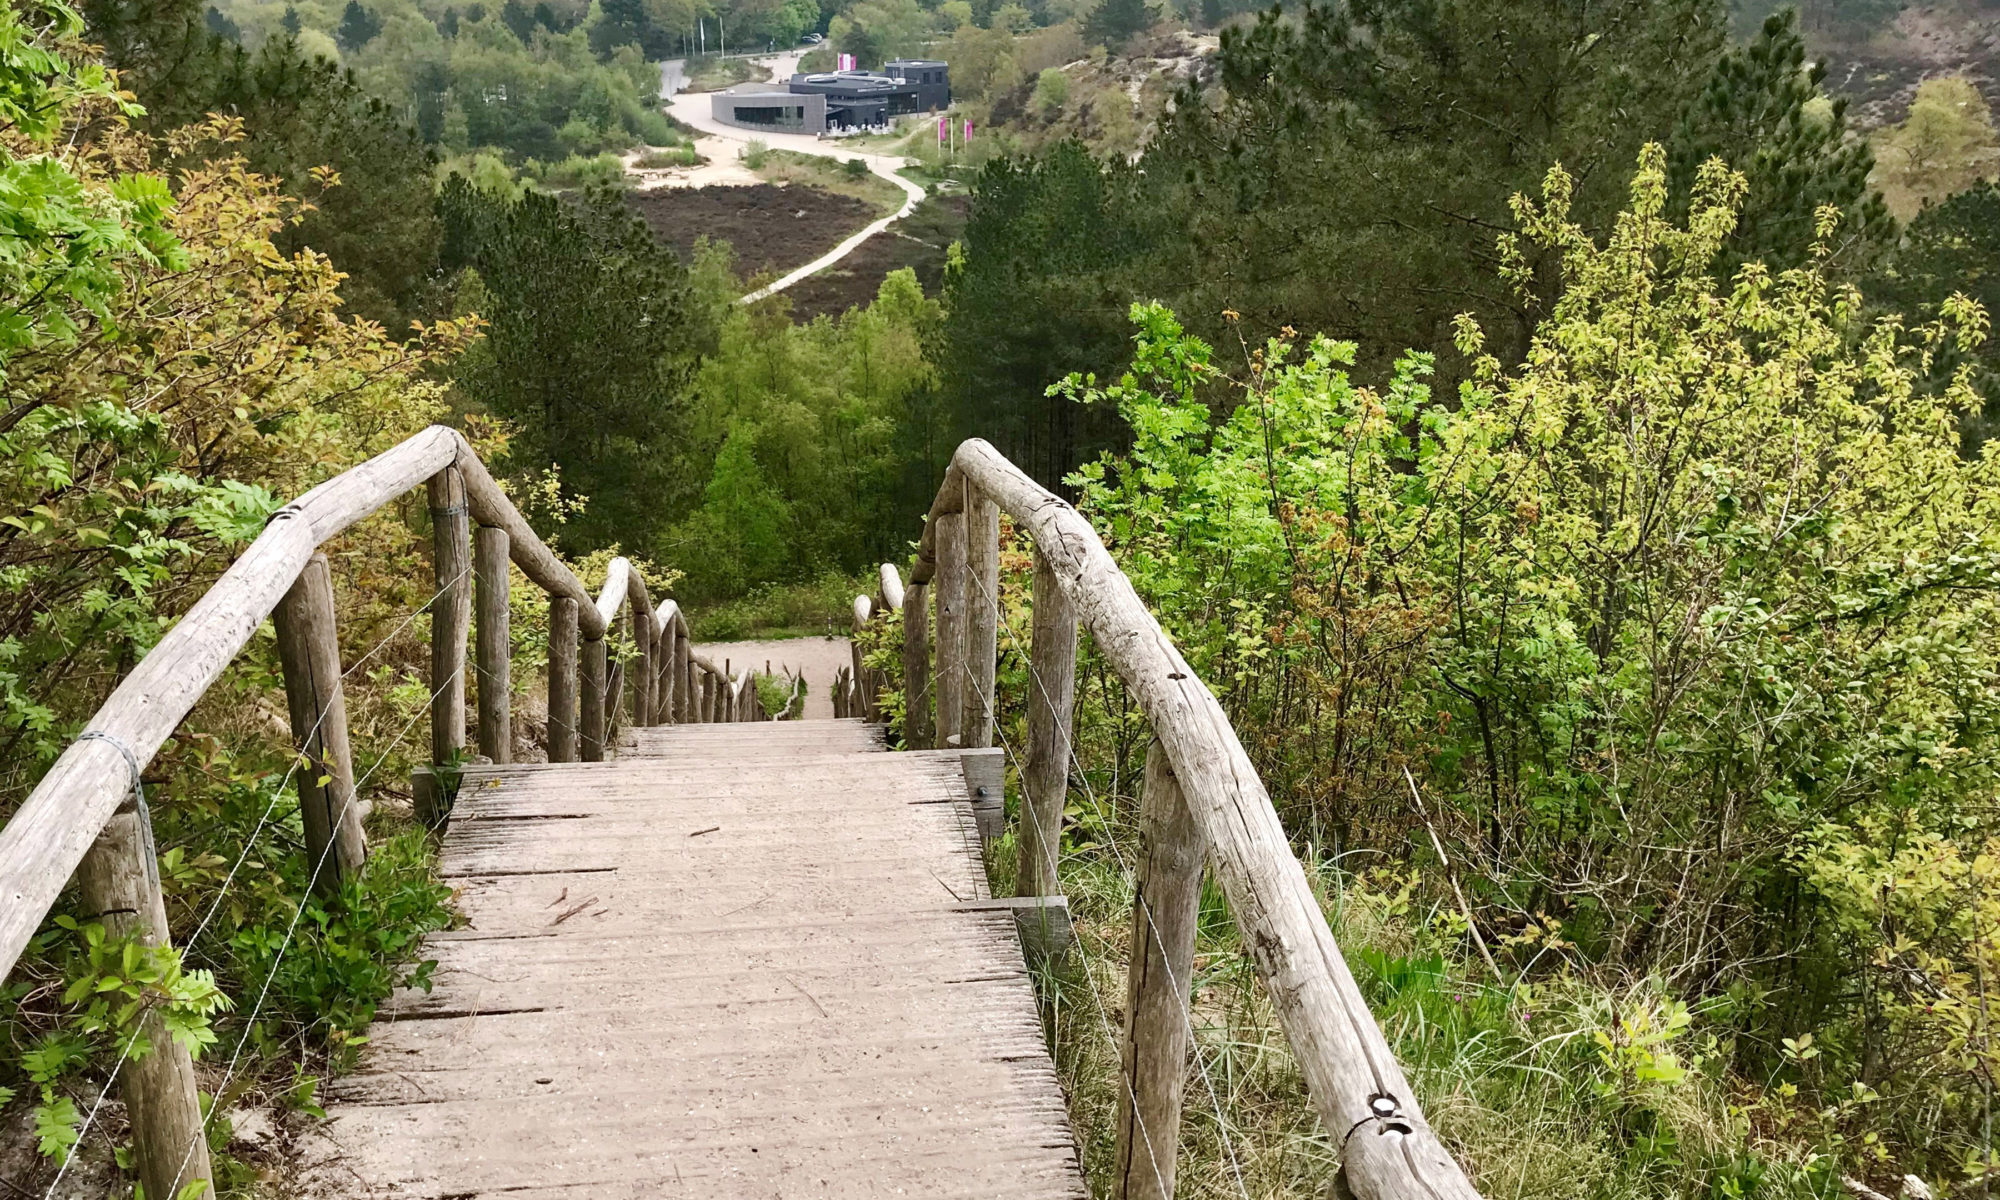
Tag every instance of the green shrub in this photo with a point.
(676, 156)
(1051, 91)
(577, 171)
(1700, 598)
(755, 153)
(823, 606)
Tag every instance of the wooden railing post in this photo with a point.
(917, 668)
(451, 612)
(592, 698)
(614, 700)
(950, 590)
(643, 640)
(668, 672)
(1388, 1149)
(492, 653)
(120, 878)
(982, 616)
(864, 610)
(1165, 906)
(1051, 699)
(309, 653)
(562, 679)
(684, 690)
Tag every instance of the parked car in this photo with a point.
(811, 39)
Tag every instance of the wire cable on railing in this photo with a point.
(249, 844)
(285, 945)
(1183, 995)
(1103, 1017)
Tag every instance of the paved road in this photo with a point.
(717, 140)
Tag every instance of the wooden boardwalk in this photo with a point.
(741, 960)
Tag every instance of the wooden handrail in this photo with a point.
(1388, 1149)
(56, 825)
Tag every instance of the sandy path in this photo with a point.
(722, 145)
(818, 657)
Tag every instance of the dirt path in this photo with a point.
(818, 657)
(722, 145)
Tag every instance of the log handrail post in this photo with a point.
(45, 840)
(1166, 903)
(950, 593)
(614, 700)
(451, 612)
(309, 654)
(120, 886)
(982, 617)
(644, 639)
(864, 611)
(591, 697)
(562, 679)
(685, 688)
(1365, 1102)
(668, 666)
(492, 650)
(917, 668)
(1051, 704)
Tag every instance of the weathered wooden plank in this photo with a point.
(697, 990)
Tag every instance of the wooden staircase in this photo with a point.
(737, 960)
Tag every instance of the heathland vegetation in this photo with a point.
(1558, 434)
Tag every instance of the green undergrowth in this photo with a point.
(1544, 1083)
(824, 606)
(775, 692)
(715, 74)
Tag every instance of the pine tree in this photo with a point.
(1952, 248)
(378, 227)
(358, 27)
(221, 26)
(290, 22)
(1763, 113)
(516, 17)
(1115, 22)
(593, 339)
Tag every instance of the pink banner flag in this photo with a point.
(944, 131)
(968, 133)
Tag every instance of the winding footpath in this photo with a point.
(694, 110)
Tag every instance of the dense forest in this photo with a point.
(1557, 431)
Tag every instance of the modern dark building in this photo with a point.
(931, 78)
(827, 100)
